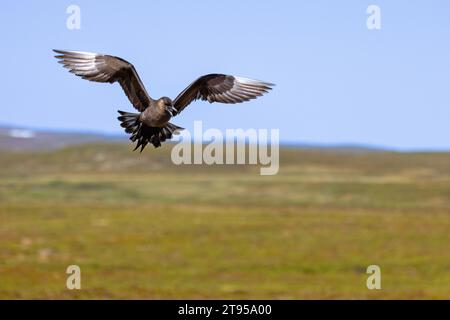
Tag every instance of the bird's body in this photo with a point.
(155, 115)
(151, 124)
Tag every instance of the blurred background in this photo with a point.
(364, 166)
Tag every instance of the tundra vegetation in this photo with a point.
(139, 226)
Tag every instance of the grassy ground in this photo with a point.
(139, 227)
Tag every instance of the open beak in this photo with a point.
(172, 111)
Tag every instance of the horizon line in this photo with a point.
(283, 143)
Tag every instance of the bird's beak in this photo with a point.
(172, 111)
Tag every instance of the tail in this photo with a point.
(144, 134)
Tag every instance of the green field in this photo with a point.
(140, 227)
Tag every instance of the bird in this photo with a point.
(151, 124)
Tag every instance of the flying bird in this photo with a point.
(151, 124)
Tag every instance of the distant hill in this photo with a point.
(24, 139)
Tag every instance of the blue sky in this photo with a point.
(337, 81)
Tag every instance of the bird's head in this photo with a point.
(167, 104)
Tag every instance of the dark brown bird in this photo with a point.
(152, 123)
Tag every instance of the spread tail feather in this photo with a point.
(144, 134)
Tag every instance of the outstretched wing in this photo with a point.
(221, 88)
(103, 68)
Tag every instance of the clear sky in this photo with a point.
(337, 81)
